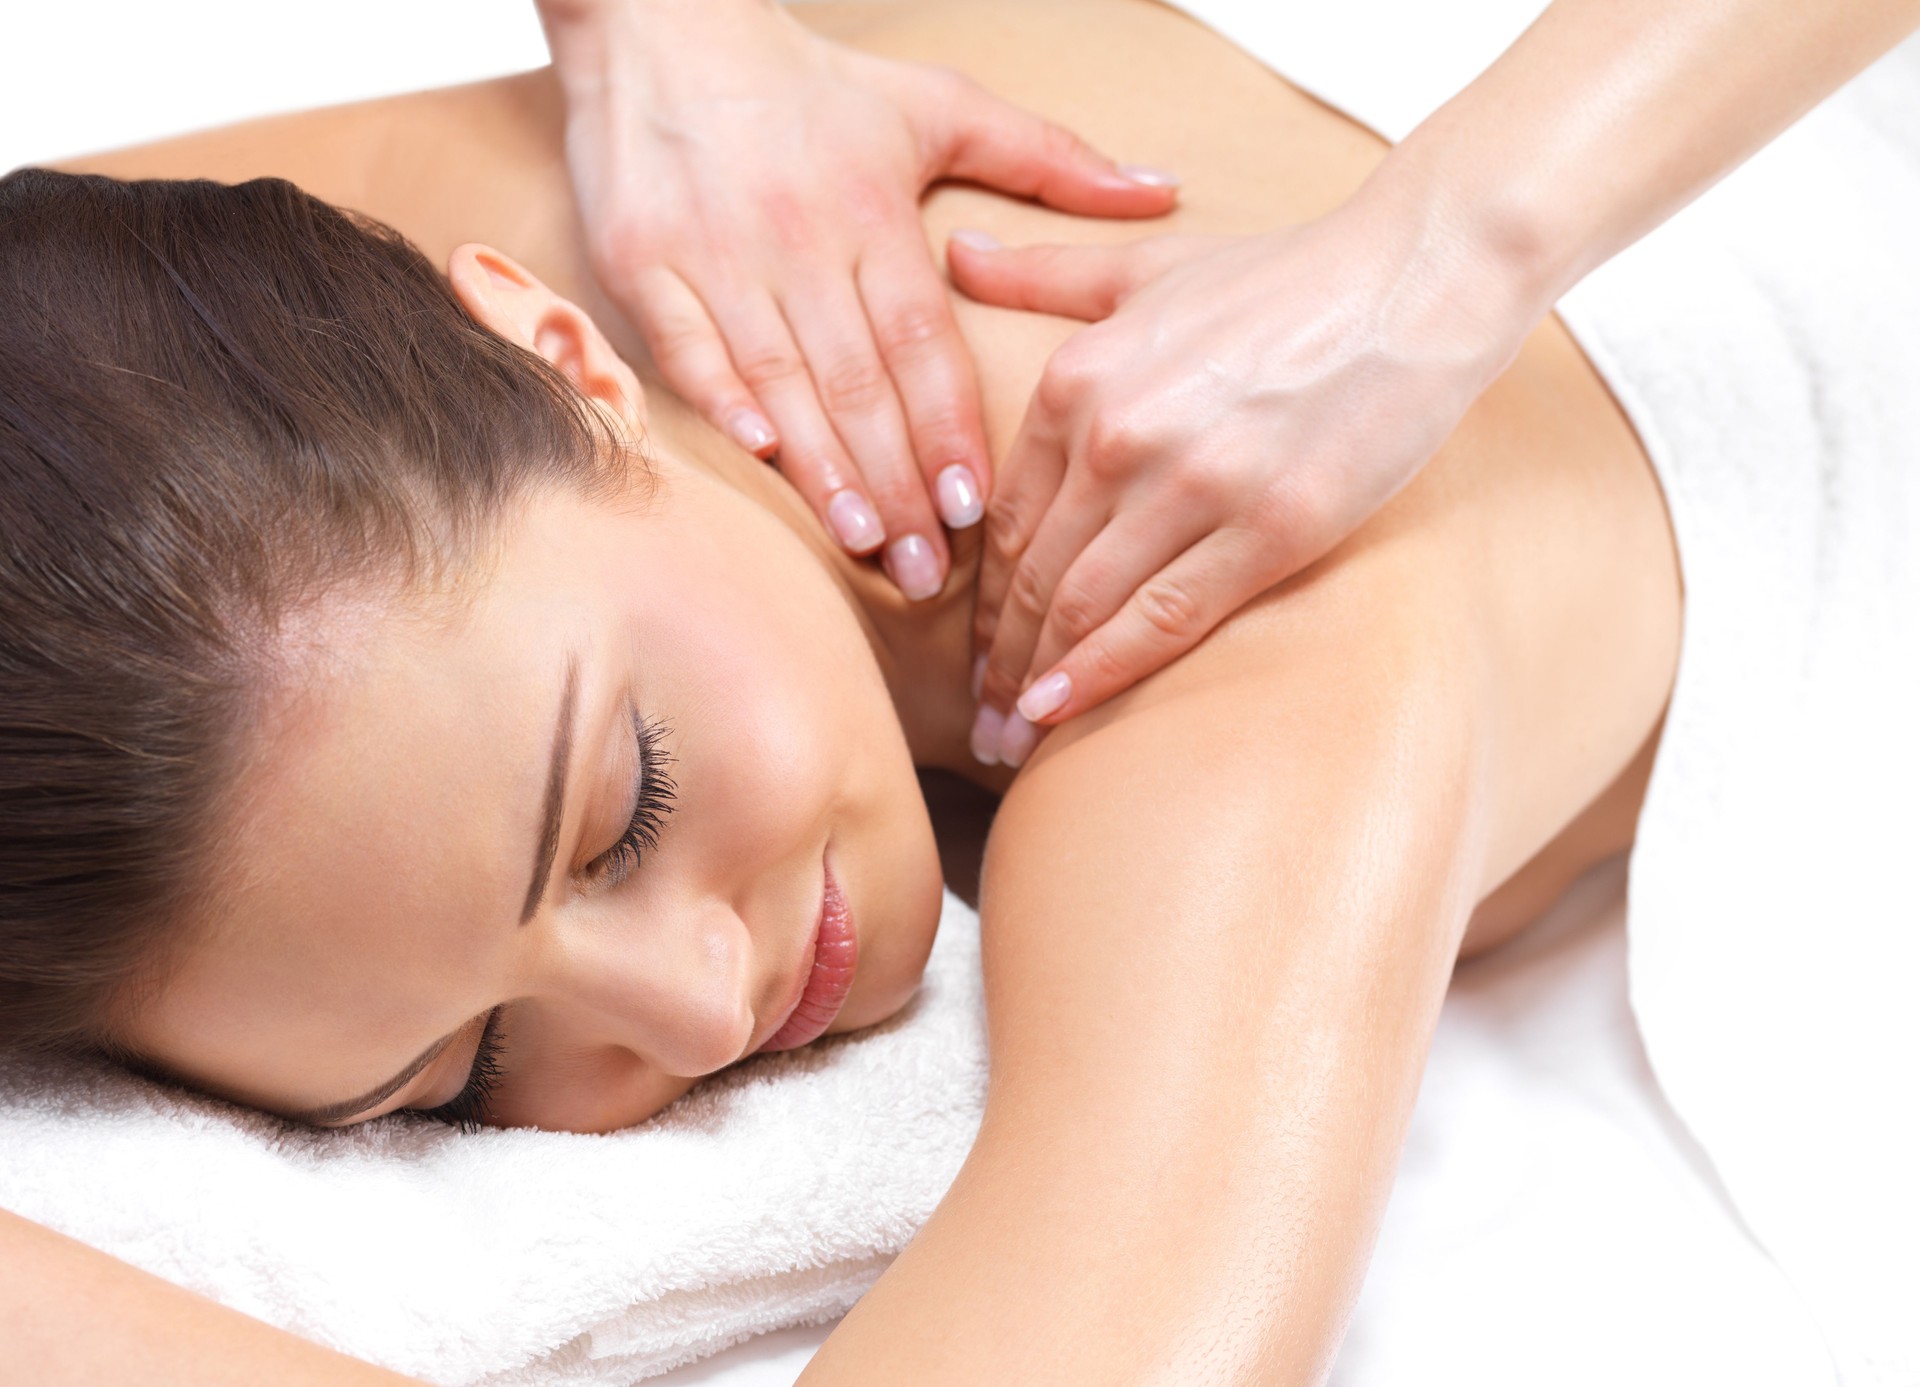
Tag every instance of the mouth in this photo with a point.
(828, 975)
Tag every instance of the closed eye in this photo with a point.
(653, 796)
(467, 1110)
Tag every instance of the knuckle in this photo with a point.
(675, 337)
(852, 384)
(624, 246)
(768, 364)
(1116, 444)
(1028, 590)
(913, 329)
(1006, 534)
(1075, 612)
(1170, 609)
(1065, 380)
(1204, 482)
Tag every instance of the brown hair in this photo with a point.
(216, 403)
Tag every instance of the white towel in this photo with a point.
(772, 1195)
(1766, 345)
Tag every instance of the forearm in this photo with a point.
(595, 43)
(1607, 116)
(71, 1316)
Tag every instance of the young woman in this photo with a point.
(414, 726)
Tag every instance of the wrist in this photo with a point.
(595, 44)
(1493, 210)
(1457, 286)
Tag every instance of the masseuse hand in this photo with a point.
(751, 199)
(1246, 403)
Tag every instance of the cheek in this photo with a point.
(772, 694)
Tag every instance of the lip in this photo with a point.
(828, 975)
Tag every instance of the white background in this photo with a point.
(83, 75)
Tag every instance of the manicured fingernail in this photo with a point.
(977, 240)
(1049, 695)
(1148, 177)
(854, 522)
(1018, 738)
(751, 430)
(959, 497)
(979, 678)
(985, 739)
(910, 560)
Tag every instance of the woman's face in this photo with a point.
(385, 880)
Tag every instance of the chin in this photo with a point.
(894, 962)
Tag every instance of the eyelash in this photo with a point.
(650, 809)
(468, 1109)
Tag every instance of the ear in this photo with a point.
(504, 295)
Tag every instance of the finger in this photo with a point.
(991, 142)
(1076, 516)
(810, 455)
(1035, 467)
(932, 371)
(1139, 542)
(686, 345)
(1165, 617)
(852, 383)
(1086, 282)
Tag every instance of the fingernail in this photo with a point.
(1148, 177)
(979, 678)
(1049, 695)
(959, 497)
(751, 430)
(854, 523)
(985, 739)
(977, 240)
(1018, 738)
(910, 560)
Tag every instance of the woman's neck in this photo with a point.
(923, 648)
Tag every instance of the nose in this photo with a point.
(673, 986)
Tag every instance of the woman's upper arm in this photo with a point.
(72, 1316)
(1219, 918)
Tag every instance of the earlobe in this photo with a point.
(507, 298)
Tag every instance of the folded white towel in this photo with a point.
(772, 1195)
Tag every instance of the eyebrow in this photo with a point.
(544, 851)
(549, 841)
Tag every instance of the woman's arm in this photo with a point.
(1249, 404)
(1220, 915)
(71, 1316)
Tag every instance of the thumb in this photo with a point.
(1085, 282)
(1001, 146)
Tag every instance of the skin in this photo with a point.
(1245, 402)
(314, 979)
(1219, 913)
(751, 195)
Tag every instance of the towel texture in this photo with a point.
(1766, 345)
(772, 1195)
